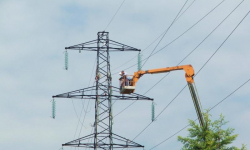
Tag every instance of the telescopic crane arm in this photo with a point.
(189, 74)
(187, 68)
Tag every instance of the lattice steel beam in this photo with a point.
(104, 94)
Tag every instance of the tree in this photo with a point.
(209, 137)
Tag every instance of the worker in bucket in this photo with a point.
(123, 79)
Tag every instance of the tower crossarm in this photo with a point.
(91, 46)
(83, 94)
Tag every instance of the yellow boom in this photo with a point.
(189, 74)
(187, 68)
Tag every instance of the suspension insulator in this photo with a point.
(66, 60)
(139, 61)
(53, 109)
(153, 112)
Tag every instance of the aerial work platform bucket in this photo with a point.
(127, 90)
(126, 85)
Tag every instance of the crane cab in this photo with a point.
(126, 85)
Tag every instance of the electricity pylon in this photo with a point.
(103, 136)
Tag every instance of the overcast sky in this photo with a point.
(33, 35)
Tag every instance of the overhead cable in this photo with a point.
(165, 32)
(222, 43)
(185, 10)
(197, 73)
(155, 39)
(179, 35)
(83, 105)
(79, 119)
(185, 56)
(114, 15)
(210, 33)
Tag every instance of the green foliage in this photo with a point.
(209, 137)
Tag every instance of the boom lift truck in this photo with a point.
(128, 86)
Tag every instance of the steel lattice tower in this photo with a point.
(103, 136)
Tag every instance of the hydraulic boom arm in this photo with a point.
(189, 73)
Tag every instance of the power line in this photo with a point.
(165, 32)
(185, 10)
(223, 43)
(229, 95)
(211, 32)
(155, 39)
(84, 116)
(189, 28)
(79, 120)
(196, 74)
(114, 15)
(172, 135)
(161, 111)
(179, 35)
(209, 110)
(83, 106)
(89, 99)
(185, 56)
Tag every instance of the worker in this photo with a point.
(123, 79)
(97, 77)
(122, 74)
